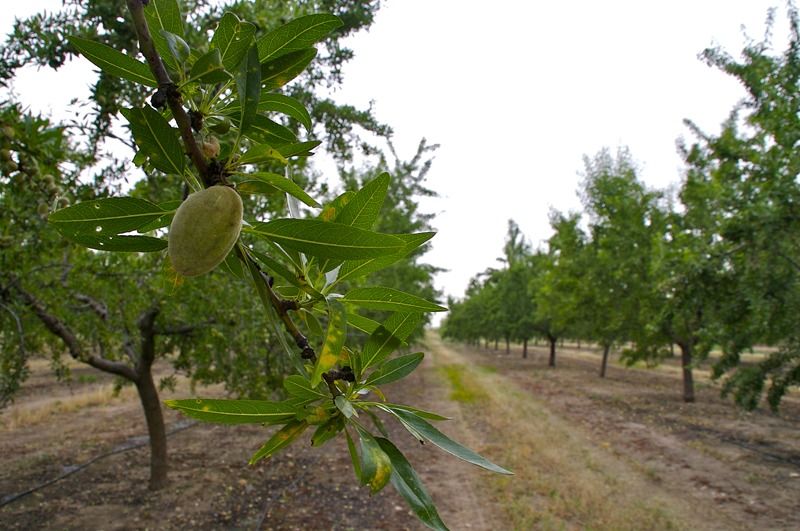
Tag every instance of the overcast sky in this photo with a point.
(516, 92)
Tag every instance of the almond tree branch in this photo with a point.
(170, 90)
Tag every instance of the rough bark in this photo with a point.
(686, 366)
(604, 364)
(553, 341)
(524, 348)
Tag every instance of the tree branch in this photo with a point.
(70, 339)
(147, 353)
(181, 330)
(98, 307)
(167, 88)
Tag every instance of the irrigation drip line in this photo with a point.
(130, 444)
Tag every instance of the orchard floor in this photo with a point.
(616, 453)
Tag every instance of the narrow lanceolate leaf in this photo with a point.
(280, 182)
(232, 38)
(285, 105)
(395, 369)
(262, 129)
(355, 269)
(209, 69)
(235, 411)
(430, 415)
(408, 484)
(282, 438)
(300, 33)
(388, 337)
(335, 207)
(298, 149)
(361, 323)
(418, 425)
(351, 448)
(277, 72)
(248, 83)
(164, 15)
(376, 467)
(363, 209)
(327, 240)
(103, 217)
(157, 139)
(128, 244)
(299, 386)
(334, 341)
(277, 268)
(262, 153)
(114, 62)
(378, 298)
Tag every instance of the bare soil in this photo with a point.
(740, 469)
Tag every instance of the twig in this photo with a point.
(170, 90)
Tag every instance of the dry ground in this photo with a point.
(617, 453)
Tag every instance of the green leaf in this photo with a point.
(248, 83)
(113, 62)
(280, 182)
(395, 369)
(298, 149)
(351, 448)
(327, 431)
(327, 240)
(234, 266)
(378, 298)
(344, 405)
(416, 424)
(408, 484)
(157, 139)
(364, 324)
(129, 244)
(170, 207)
(386, 406)
(334, 341)
(178, 49)
(277, 268)
(376, 467)
(165, 15)
(297, 34)
(262, 153)
(299, 386)
(278, 72)
(388, 337)
(285, 105)
(235, 411)
(282, 438)
(354, 269)
(233, 38)
(262, 129)
(209, 69)
(104, 217)
(334, 208)
(363, 209)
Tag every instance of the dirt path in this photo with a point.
(629, 439)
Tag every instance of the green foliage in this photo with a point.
(235, 75)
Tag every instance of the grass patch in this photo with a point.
(465, 389)
(22, 415)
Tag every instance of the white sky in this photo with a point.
(516, 92)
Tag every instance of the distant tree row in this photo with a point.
(714, 266)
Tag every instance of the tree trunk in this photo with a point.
(508, 346)
(686, 365)
(496, 342)
(486, 343)
(525, 348)
(579, 344)
(604, 364)
(148, 395)
(553, 341)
